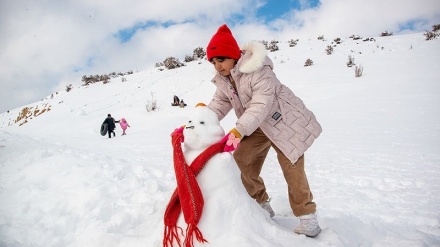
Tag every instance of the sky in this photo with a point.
(373, 170)
(48, 45)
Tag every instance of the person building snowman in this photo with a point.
(269, 115)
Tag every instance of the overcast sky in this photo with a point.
(46, 45)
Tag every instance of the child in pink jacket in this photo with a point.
(269, 115)
(124, 125)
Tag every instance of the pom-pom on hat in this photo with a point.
(223, 44)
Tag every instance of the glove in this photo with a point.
(232, 139)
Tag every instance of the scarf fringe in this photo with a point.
(170, 235)
(192, 231)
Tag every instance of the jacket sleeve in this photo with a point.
(220, 104)
(263, 86)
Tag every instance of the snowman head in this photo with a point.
(202, 129)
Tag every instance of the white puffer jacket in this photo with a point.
(262, 101)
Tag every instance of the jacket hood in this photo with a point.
(255, 57)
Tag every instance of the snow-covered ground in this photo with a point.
(374, 170)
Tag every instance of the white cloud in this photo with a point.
(49, 43)
(369, 18)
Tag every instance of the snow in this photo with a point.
(373, 171)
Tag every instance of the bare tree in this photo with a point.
(293, 43)
(386, 33)
(172, 63)
(358, 71)
(350, 62)
(151, 103)
(329, 50)
(199, 52)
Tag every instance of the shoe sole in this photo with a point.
(311, 234)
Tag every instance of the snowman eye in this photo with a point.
(202, 122)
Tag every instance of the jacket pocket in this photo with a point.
(282, 107)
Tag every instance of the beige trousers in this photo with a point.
(250, 156)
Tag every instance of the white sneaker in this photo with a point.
(308, 225)
(266, 206)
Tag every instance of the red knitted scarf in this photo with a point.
(187, 197)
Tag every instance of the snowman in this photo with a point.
(228, 216)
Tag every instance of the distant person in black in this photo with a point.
(176, 101)
(110, 125)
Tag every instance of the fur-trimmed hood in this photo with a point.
(254, 57)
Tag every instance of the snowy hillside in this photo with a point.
(373, 171)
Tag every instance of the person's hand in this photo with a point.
(231, 140)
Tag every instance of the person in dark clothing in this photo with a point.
(110, 125)
(176, 101)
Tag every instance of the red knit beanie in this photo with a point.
(223, 44)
